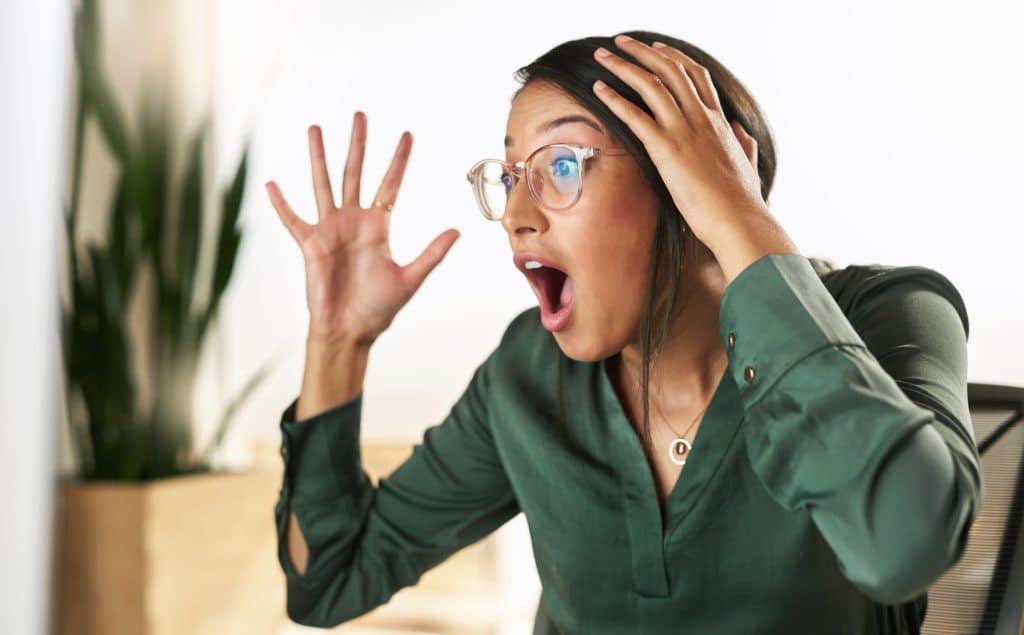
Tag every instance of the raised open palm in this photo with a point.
(354, 288)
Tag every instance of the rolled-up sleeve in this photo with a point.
(861, 418)
(366, 542)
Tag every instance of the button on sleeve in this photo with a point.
(774, 313)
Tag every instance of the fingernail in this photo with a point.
(623, 38)
(602, 52)
(599, 85)
(659, 45)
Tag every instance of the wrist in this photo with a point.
(336, 341)
(328, 355)
(747, 239)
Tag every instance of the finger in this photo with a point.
(321, 181)
(700, 75)
(654, 92)
(672, 73)
(416, 271)
(354, 162)
(645, 128)
(297, 227)
(748, 143)
(388, 190)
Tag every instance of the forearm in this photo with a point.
(334, 374)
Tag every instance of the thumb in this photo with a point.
(416, 271)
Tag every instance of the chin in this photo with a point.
(581, 346)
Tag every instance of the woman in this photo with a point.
(833, 473)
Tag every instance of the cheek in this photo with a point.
(614, 266)
(611, 236)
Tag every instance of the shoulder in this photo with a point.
(859, 287)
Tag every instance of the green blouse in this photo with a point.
(834, 476)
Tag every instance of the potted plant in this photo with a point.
(151, 538)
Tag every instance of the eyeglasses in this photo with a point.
(554, 174)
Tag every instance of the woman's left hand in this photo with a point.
(709, 165)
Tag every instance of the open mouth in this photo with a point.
(555, 291)
(550, 283)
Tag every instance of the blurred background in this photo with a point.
(898, 140)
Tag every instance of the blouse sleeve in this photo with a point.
(862, 420)
(366, 542)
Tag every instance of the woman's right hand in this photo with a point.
(354, 288)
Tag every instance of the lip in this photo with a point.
(520, 258)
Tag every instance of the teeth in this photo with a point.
(533, 264)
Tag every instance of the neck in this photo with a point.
(692, 361)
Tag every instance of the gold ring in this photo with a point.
(386, 206)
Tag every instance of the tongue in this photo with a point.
(566, 296)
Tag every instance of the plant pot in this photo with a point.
(191, 554)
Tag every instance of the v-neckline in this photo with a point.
(708, 449)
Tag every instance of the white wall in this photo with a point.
(896, 133)
(34, 66)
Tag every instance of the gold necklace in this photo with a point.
(679, 448)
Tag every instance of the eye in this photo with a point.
(506, 179)
(564, 167)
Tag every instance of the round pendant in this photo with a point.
(678, 450)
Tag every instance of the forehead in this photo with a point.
(541, 111)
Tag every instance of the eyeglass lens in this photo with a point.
(553, 176)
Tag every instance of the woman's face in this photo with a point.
(602, 243)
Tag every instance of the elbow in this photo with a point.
(329, 600)
(929, 538)
(902, 577)
(894, 589)
(307, 606)
(302, 606)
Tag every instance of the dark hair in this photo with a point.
(571, 67)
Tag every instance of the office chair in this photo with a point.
(983, 593)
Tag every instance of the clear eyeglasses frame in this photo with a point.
(488, 175)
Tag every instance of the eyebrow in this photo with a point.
(546, 128)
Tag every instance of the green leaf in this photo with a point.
(189, 222)
(152, 175)
(125, 244)
(111, 297)
(228, 239)
(97, 92)
(230, 236)
(103, 359)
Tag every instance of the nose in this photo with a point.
(522, 214)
